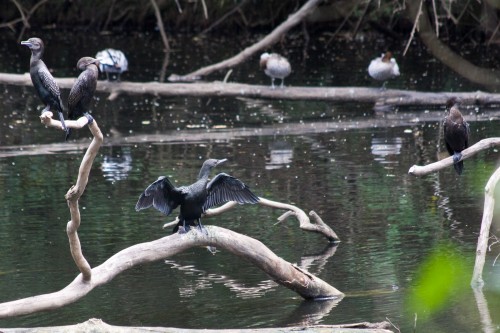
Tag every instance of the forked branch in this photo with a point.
(304, 221)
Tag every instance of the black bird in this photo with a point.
(83, 89)
(43, 81)
(456, 133)
(196, 198)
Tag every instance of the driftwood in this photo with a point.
(282, 272)
(418, 170)
(267, 41)
(319, 227)
(393, 97)
(489, 201)
(97, 325)
(484, 234)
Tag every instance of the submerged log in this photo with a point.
(97, 325)
(393, 97)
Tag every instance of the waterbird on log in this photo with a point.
(196, 198)
(112, 61)
(43, 81)
(456, 133)
(82, 92)
(275, 66)
(383, 68)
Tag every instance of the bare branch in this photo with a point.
(305, 284)
(417, 170)
(304, 221)
(159, 22)
(415, 27)
(72, 197)
(484, 234)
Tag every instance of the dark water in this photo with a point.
(344, 161)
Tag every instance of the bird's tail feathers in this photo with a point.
(459, 167)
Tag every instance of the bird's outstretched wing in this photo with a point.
(161, 194)
(223, 188)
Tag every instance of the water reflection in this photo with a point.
(205, 280)
(384, 150)
(117, 164)
(280, 155)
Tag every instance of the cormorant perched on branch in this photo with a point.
(43, 81)
(83, 89)
(275, 66)
(456, 133)
(196, 198)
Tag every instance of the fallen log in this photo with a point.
(393, 97)
(97, 325)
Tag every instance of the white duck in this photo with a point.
(275, 66)
(112, 61)
(383, 68)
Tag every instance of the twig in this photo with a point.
(415, 26)
(179, 8)
(223, 18)
(205, 10)
(159, 22)
(358, 24)
(436, 19)
(21, 11)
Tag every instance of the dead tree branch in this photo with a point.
(97, 325)
(304, 221)
(74, 194)
(159, 22)
(418, 170)
(305, 284)
(267, 41)
(484, 234)
(393, 97)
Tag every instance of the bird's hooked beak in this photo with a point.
(27, 43)
(221, 161)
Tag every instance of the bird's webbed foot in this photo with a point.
(47, 109)
(202, 228)
(457, 157)
(90, 119)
